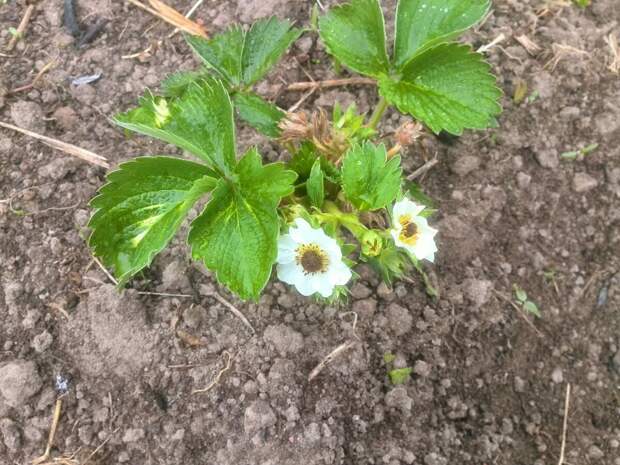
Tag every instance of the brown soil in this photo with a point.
(488, 387)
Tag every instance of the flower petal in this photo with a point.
(290, 273)
(306, 286)
(286, 249)
(339, 274)
(405, 207)
(324, 287)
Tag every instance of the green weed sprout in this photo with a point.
(338, 198)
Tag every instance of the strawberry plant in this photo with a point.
(338, 197)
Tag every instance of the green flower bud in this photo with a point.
(372, 243)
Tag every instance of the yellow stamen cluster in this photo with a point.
(312, 258)
(409, 233)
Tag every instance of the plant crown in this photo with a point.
(336, 178)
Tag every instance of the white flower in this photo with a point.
(310, 260)
(411, 231)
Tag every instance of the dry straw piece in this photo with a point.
(614, 63)
(171, 16)
(70, 149)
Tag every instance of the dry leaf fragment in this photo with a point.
(190, 339)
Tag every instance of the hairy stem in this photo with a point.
(378, 113)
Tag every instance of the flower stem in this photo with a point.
(378, 113)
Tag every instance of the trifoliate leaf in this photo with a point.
(222, 53)
(201, 122)
(370, 181)
(355, 34)
(236, 234)
(176, 84)
(242, 58)
(422, 24)
(140, 208)
(265, 43)
(400, 375)
(315, 186)
(448, 87)
(258, 113)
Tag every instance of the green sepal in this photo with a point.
(315, 185)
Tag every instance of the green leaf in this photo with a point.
(314, 185)
(222, 53)
(355, 34)
(448, 87)
(258, 113)
(140, 208)
(265, 43)
(370, 181)
(532, 308)
(176, 84)
(242, 58)
(416, 193)
(520, 294)
(302, 160)
(400, 375)
(422, 24)
(236, 234)
(389, 357)
(201, 122)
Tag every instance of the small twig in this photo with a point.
(329, 358)
(104, 269)
(354, 325)
(38, 212)
(297, 86)
(493, 43)
(215, 381)
(50, 438)
(164, 294)
(144, 52)
(423, 169)
(564, 425)
(65, 147)
(529, 45)
(59, 308)
(302, 100)
(21, 29)
(561, 51)
(36, 79)
(519, 312)
(99, 447)
(233, 309)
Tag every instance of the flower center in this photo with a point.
(312, 258)
(409, 230)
